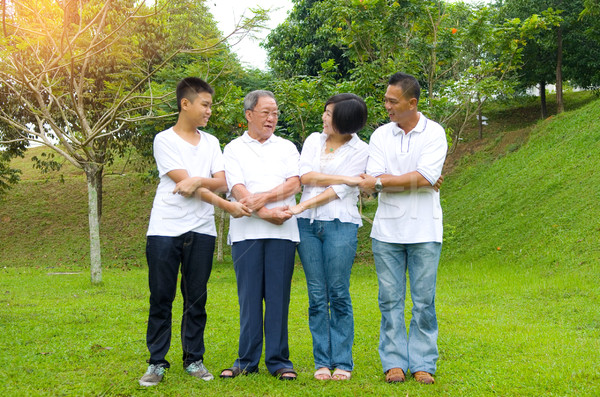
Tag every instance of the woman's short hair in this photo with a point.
(190, 87)
(349, 113)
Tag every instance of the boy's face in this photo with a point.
(199, 109)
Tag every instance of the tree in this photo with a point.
(568, 52)
(299, 45)
(80, 72)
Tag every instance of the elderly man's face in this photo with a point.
(262, 120)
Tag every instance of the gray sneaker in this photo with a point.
(198, 370)
(153, 375)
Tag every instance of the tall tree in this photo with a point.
(79, 71)
(567, 52)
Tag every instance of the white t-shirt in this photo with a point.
(349, 159)
(413, 216)
(172, 214)
(260, 167)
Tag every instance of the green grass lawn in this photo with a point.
(518, 296)
(504, 330)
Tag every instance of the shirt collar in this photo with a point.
(420, 127)
(248, 139)
(353, 142)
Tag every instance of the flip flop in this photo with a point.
(323, 373)
(285, 371)
(340, 374)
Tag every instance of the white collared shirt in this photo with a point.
(172, 214)
(350, 160)
(413, 216)
(260, 167)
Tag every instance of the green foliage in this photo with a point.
(8, 176)
(299, 45)
(459, 53)
(580, 41)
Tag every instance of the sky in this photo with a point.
(228, 12)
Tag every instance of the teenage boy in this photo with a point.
(182, 231)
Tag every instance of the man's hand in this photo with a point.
(188, 186)
(367, 184)
(237, 210)
(255, 201)
(438, 184)
(276, 215)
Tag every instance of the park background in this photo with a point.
(518, 282)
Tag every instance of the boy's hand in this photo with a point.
(188, 186)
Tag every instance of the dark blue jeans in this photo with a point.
(194, 253)
(263, 269)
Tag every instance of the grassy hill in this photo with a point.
(537, 203)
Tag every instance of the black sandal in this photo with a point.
(279, 374)
(235, 371)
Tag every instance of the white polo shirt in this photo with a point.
(260, 167)
(172, 214)
(350, 159)
(413, 216)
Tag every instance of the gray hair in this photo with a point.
(252, 98)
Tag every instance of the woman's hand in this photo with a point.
(352, 180)
(296, 209)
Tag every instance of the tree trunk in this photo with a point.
(543, 100)
(94, 182)
(560, 106)
(220, 231)
(480, 116)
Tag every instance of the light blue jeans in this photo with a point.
(327, 250)
(418, 351)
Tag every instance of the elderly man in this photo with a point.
(405, 164)
(262, 173)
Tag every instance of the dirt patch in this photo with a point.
(497, 145)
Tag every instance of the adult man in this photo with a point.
(262, 173)
(182, 232)
(406, 158)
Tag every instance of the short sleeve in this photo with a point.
(217, 163)
(432, 157)
(376, 162)
(309, 150)
(233, 169)
(292, 160)
(166, 155)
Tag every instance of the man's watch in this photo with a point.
(378, 185)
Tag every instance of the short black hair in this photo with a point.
(190, 87)
(349, 113)
(409, 84)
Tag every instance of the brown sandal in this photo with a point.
(395, 375)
